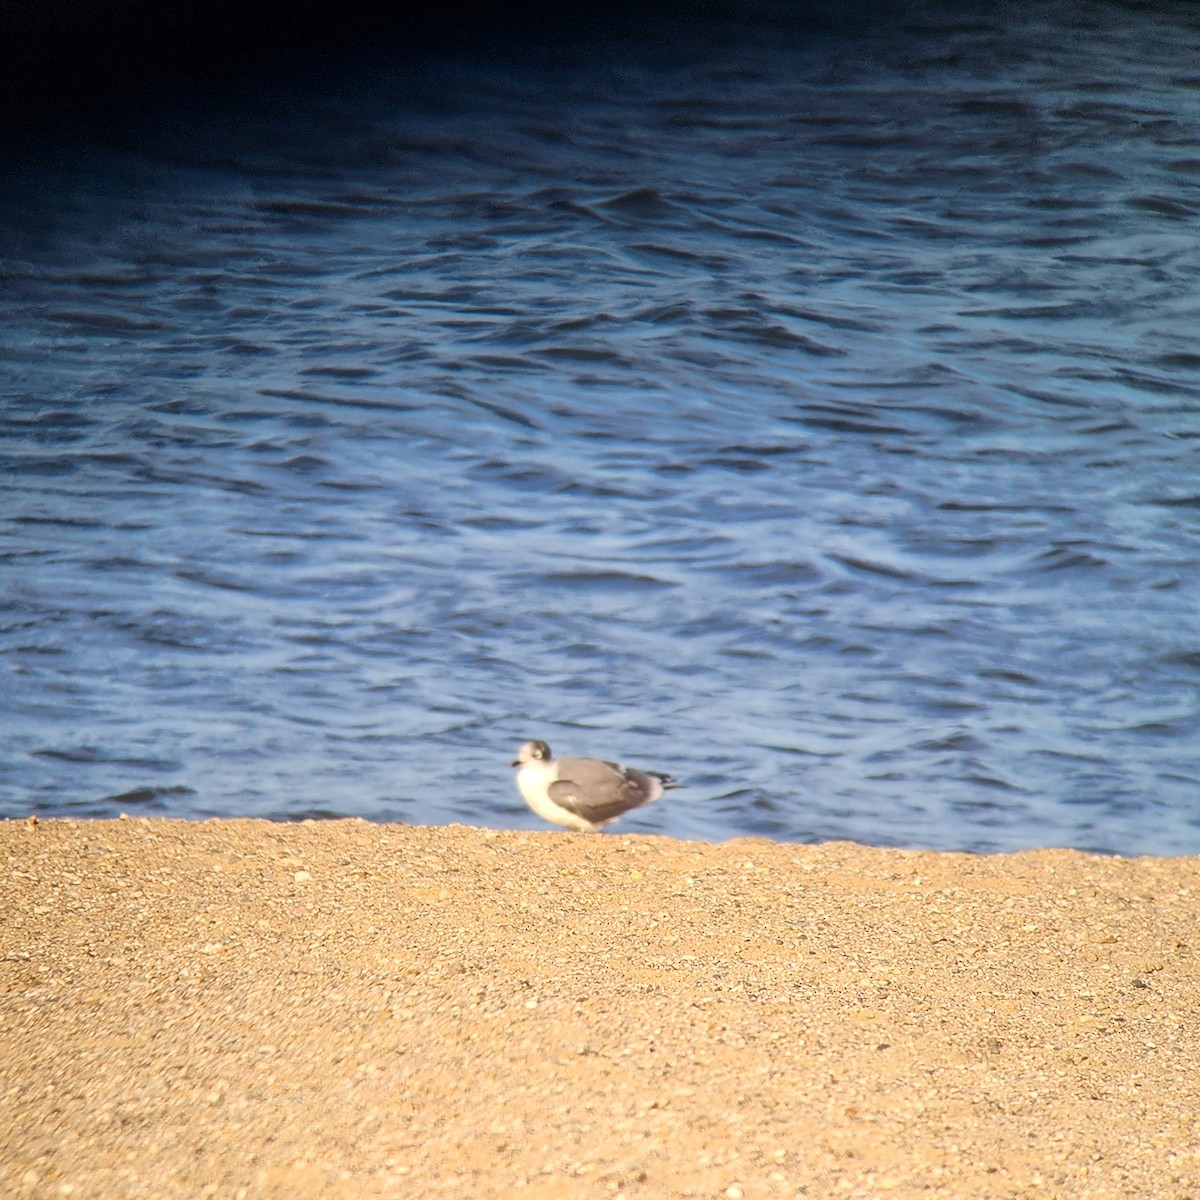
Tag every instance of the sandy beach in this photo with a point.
(246, 1009)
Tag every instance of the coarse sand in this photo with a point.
(246, 1009)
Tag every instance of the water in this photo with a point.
(810, 411)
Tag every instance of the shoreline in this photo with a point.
(239, 1007)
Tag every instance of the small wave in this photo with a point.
(874, 567)
(104, 322)
(708, 260)
(355, 401)
(59, 520)
(606, 580)
(843, 421)
(1189, 501)
(149, 795)
(731, 463)
(304, 464)
(53, 418)
(1068, 558)
(1182, 658)
(86, 755)
(644, 203)
(793, 573)
(342, 371)
(1164, 206)
(1184, 727)
(223, 581)
(578, 353)
(290, 206)
(1010, 675)
(952, 742)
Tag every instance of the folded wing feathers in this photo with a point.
(600, 791)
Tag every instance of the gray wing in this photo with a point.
(599, 791)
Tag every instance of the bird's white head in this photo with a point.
(531, 752)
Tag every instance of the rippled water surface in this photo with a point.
(810, 412)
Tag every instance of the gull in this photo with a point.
(583, 793)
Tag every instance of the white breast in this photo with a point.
(533, 779)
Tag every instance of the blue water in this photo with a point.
(809, 411)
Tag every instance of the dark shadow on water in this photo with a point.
(78, 57)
